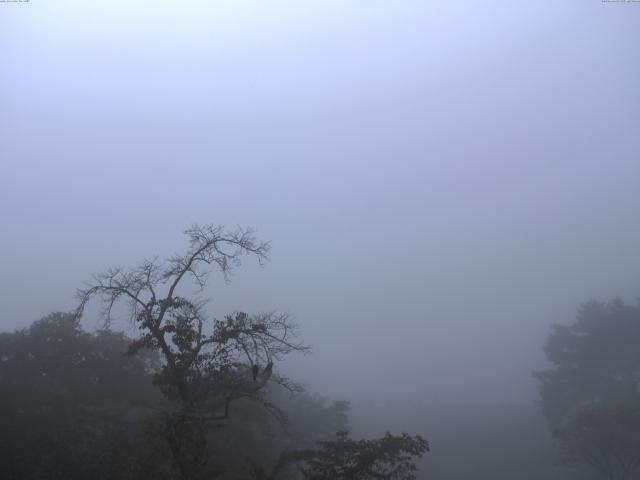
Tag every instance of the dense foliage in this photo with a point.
(591, 395)
(388, 458)
(73, 406)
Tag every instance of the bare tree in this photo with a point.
(207, 364)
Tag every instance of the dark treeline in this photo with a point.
(193, 398)
(76, 406)
(189, 398)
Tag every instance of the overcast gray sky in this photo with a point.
(441, 180)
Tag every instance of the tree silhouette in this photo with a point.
(591, 395)
(342, 458)
(207, 364)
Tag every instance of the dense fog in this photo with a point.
(441, 182)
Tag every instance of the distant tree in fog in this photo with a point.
(591, 395)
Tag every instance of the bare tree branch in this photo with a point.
(206, 369)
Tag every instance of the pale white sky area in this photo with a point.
(441, 181)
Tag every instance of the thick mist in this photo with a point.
(441, 181)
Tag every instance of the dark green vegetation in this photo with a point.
(190, 398)
(590, 396)
(193, 397)
(73, 406)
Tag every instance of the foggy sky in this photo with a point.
(441, 181)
